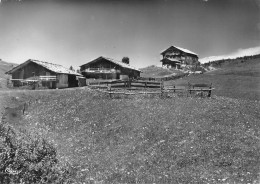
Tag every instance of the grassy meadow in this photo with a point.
(157, 72)
(145, 138)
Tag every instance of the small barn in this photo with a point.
(107, 68)
(174, 57)
(45, 74)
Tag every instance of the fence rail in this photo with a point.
(24, 80)
(127, 84)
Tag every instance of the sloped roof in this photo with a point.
(179, 48)
(50, 66)
(120, 63)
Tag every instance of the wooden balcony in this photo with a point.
(48, 78)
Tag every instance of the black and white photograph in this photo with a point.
(130, 91)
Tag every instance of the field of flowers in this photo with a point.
(148, 139)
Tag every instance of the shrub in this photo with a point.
(29, 160)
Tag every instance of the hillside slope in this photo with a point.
(246, 61)
(249, 67)
(234, 79)
(4, 67)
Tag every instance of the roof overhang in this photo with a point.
(37, 62)
(180, 49)
(123, 65)
(18, 67)
(92, 61)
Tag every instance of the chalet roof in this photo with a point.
(179, 48)
(120, 63)
(50, 66)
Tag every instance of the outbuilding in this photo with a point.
(45, 74)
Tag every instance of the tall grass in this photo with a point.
(150, 139)
(27, 159)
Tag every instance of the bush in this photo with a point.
(29, 160)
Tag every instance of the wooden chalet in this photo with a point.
(107, 68)
(174, 57)
(45, 74)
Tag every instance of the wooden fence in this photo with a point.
(126, 84)
(133, 88)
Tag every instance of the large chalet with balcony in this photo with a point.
(175, 57)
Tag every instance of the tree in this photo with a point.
(125, 60)
(71, 68)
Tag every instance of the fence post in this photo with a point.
(188, 89)
(109, 91)
(129, 83)
(209, 94)
(161, 88)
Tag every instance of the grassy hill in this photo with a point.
(4, 67)
(231, 62)
(233, 79)
(146, 139)
(250, 67)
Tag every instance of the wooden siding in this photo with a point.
(62, 81)
(32, 70)
(100, 64)
(105, 64)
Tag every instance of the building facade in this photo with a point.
(45, 74)
(174, 57)
(107, 68)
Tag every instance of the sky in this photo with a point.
(74, 32)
